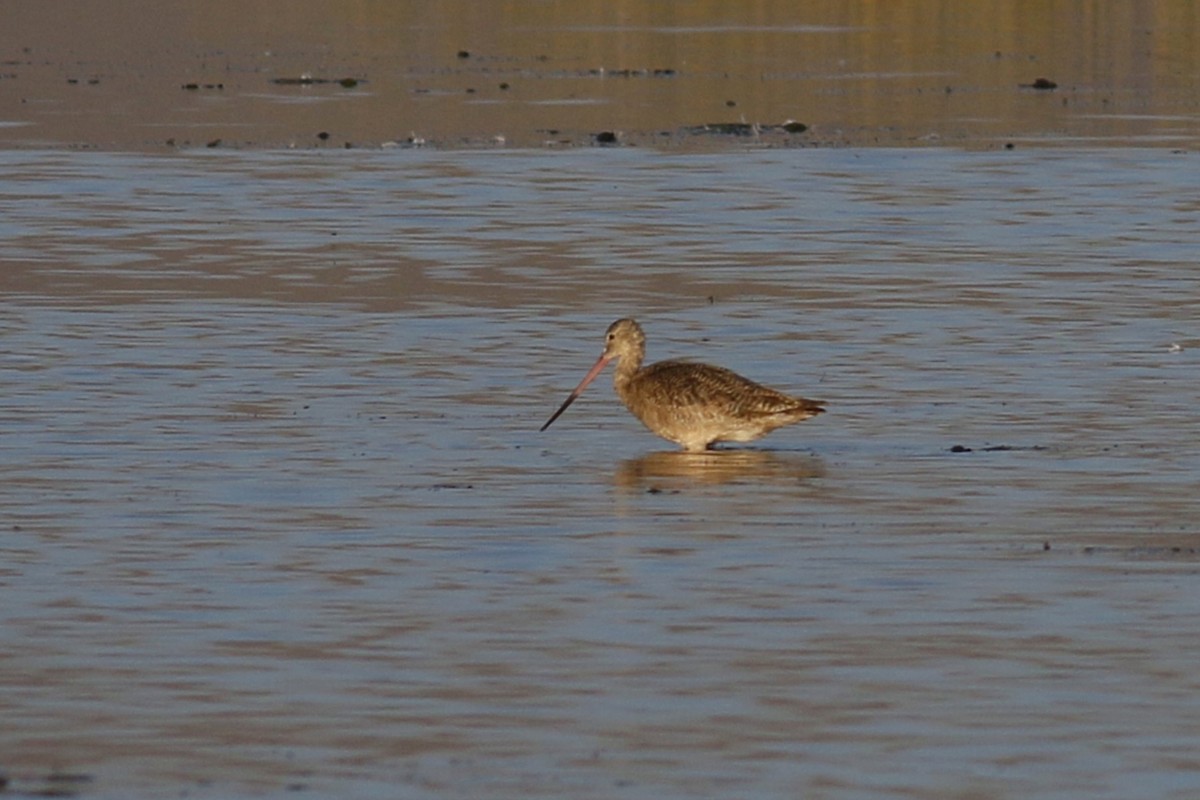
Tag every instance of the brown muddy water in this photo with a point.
(276, 517)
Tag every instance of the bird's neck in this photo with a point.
(626, 368)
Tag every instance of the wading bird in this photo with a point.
(693, 405)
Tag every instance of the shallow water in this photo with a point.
(275, 514)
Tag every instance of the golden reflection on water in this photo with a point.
(714, 468)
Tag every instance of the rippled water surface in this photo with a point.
(276, 518)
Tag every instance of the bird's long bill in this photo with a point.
(591, 376)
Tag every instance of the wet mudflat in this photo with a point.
(365, 73)
(275, 516)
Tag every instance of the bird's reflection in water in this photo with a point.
(678, 469)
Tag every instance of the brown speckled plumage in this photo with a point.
(693, 405)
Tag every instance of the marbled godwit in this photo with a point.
(694, 405)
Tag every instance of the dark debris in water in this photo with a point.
(1163, 552)
(52, 784)
(1133, 552)
(996, 448)
(1043, 84)
(633, 73)
(308, 80)
(740, 130)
